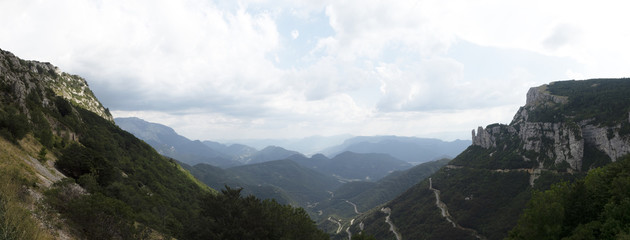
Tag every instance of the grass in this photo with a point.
(16, 219)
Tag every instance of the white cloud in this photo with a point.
(164, 51)
(366, 28)
(275, 68)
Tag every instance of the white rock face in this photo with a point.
(559, 141)
(483, 138)
(613, 144)
(27, 75)
(539, 95)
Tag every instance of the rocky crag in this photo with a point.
(23, 76)
(557, 144)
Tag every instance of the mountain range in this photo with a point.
(409, 149)
(168, 142)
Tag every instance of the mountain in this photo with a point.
(168, 143)
(238, 152)
(349, 166)
(302, 184)
(410, 149)
(564, 130)
(283, 180)
(270, 153)
(308, 145)
(68, 172)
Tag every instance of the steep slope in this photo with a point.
(167, 142)
(410, 149)
(564, 129)
(219, 178)
(352, 198)
(118, 187)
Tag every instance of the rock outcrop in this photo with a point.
(554, 142)
(25, 76)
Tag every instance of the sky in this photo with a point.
(216, 70)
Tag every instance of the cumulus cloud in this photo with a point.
(426, 85)
(367, 30)
(232, 69)
(161, 55)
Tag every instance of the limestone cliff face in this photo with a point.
(22, 77)
(554, 143)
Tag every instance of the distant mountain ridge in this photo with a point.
(284, 180)
(307, 145)
(410, 149)
(350, 166)
(167, 142)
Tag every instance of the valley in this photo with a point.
(321, 185)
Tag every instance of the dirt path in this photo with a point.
(388, 220)
(447, 215)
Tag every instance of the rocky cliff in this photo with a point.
(564, 129)
(23, 76)
(558, 137)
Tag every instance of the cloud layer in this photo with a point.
(273, 69)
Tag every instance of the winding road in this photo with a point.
(447, 215)
(355, 207)
(337, 222)
(388, 220)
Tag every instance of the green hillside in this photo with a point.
(117, 186)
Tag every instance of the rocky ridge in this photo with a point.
(560, 143)
(19, 75)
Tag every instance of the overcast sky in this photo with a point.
(289, 69)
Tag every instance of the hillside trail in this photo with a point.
(442, 206)
(388, 220)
